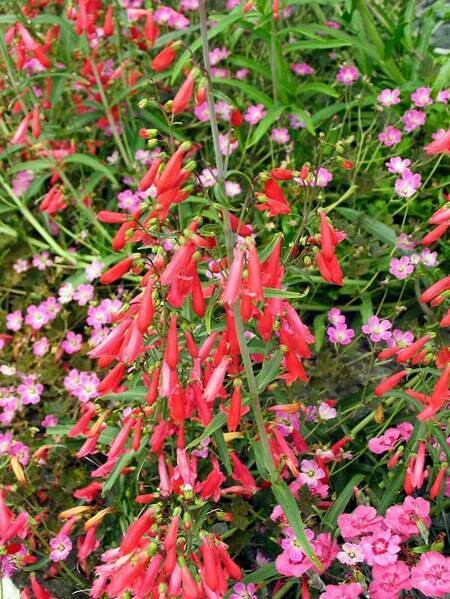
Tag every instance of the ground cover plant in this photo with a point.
(224, 342)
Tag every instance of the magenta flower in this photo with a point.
(22, 182)
(377, 329)
(61, 546)
(340, 334)
(49, 420)
(398, 166)
(431, 575)
(321, 178)
(293, 561)
(36, 317)
(421, 97)
(401, 338)
(390, 136)
(254, 114)
(429, 258)
(242, 73)
(401, 268)
(363, 520)
(227, 144)
(413, 119)
(347, 75)
(129, 201)
(41, 261)
(94, 270)
(336, 317)
(385, 442)
(389, 97)
(388, 581)
(201, 112)
(21, 265)
(443, 96)
(83, 294)
(404, 242)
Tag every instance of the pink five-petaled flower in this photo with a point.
(381, 548)
(336, 317)
(390, 136)
(431, 575)
(347, 75)
(408, 184)
(242, 591)
(384, 442)
(310, 473)
(14, 320)
(378, 330)
(413, 119)
(407, 519)
(302, 68)
(352, 590)
(254, 114)
(280, 136)
(389, 97)
(421, 97)
(401, 268)
(363, 520)
(340, 334)
(388, 581)
(293, 561)
(61, 546)
(397, 166)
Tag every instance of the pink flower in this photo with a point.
(390, 136)
(22, 182)
(398, 166)
(41, 261)
(351, 590)
(347, 75)
(321, 178)
(363, 520)
(377, 329)
(340, 334)
(326, 549)
(404, 242)
(388, 581)
(406, 519)
(301, 68)
(201, 111)
(83, 294)
(61, 546)
(21, 265)
(389, 97)
(413, 119)
(385, 442)
(310, 473)
(36, 317)
(428, 258)
(336, 317)
(293, 561)
(29, 390)
(280, 136)
(431, 575)
(41, 347)
(421, 97)
(400, 338)
(227, 144)
(242, 73)
(350, 554)
(443, 96)
(128, 200)
(326, 411)
(254, 114)
(232, 189)
(401, 268)
(72, 343)
(14, 321)
(49, 420)
(407, 186)
(218, 54)
(94, 270)
(381, 548)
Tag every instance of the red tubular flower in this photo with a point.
(440, 145)
(183, 95)
(178, 264)
(210, 559)
(39, 591)
(170, 539)
(233, 283)
(215, 382)
(438, 398)
(445, 321)
(242, 474)
(135, 531)
(36, 122)
(235, 412)
(164, 59)
(435, 234)
(151, 30)
(230, 565)
(150, 176)
(19, 135)
(237, 226)
(437, 484)
(89, 544)
(389, 383)
(111, 344)
(441, 215)
(88, 493)
(108, 24)
(418, 475)
(273, 199)
(112, 380)
(254, 280)
(435, 290)
(327, 241)
(171, 356)
(81, 426)
(408, 352)
(117, 271)
(146, 308)
(152, 393)
(107, 216)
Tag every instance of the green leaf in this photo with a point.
(319, 331)
(250, 90)
(284, 293)
(222, 449)
(216, 423)
(317, 88)
(341, 502)
(292, 512)
(123, 461)
(269, 370)
(92, 163)
(262, 574)
(371, 225)
(130, 395)
(366, 307)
